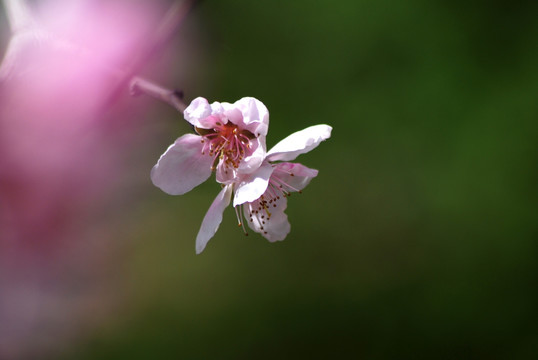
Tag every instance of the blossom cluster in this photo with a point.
(230, 141)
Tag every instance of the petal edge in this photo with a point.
(213, 218)
(182, 167)
(299, 143)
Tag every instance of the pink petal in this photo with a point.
(301, 175)
(252, 186)
(299, 142)
(225, 174)
(233, 114)
(253, 160)
(198, 114)
(276, 228)
(255, 115)
(182, 166)
(217, 108)
(213, 218)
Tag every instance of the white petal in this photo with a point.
(301, 175)
(182, 167)
(254, 157)
(299, 142)
(213, 218)
(225, 174)
(233, 114)
(275, 228)
(252, 186)
(197, 111)
(217, 107)
(255, 115)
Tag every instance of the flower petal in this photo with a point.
(225, 174)
(198, 113)
(217, 108)
(254, 159)
(255, 115)
(213, 218)
(275, 228)
(299, 142)
(233, 114)
(252, 186)
(294, 176)
(182, 166)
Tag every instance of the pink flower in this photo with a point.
(230, 140)
(262, 194)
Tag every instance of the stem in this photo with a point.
(172, 97)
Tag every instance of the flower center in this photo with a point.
(226, 143)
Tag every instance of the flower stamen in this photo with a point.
(240, 221)
(228, 143)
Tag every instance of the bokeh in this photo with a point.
(417, 240)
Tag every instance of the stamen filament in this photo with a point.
(282, 182)
(227, 144)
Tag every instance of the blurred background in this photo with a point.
(417, 240)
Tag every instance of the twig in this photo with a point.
(172, 97)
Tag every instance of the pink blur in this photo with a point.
(64, 136)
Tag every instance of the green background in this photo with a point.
(418, 238)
